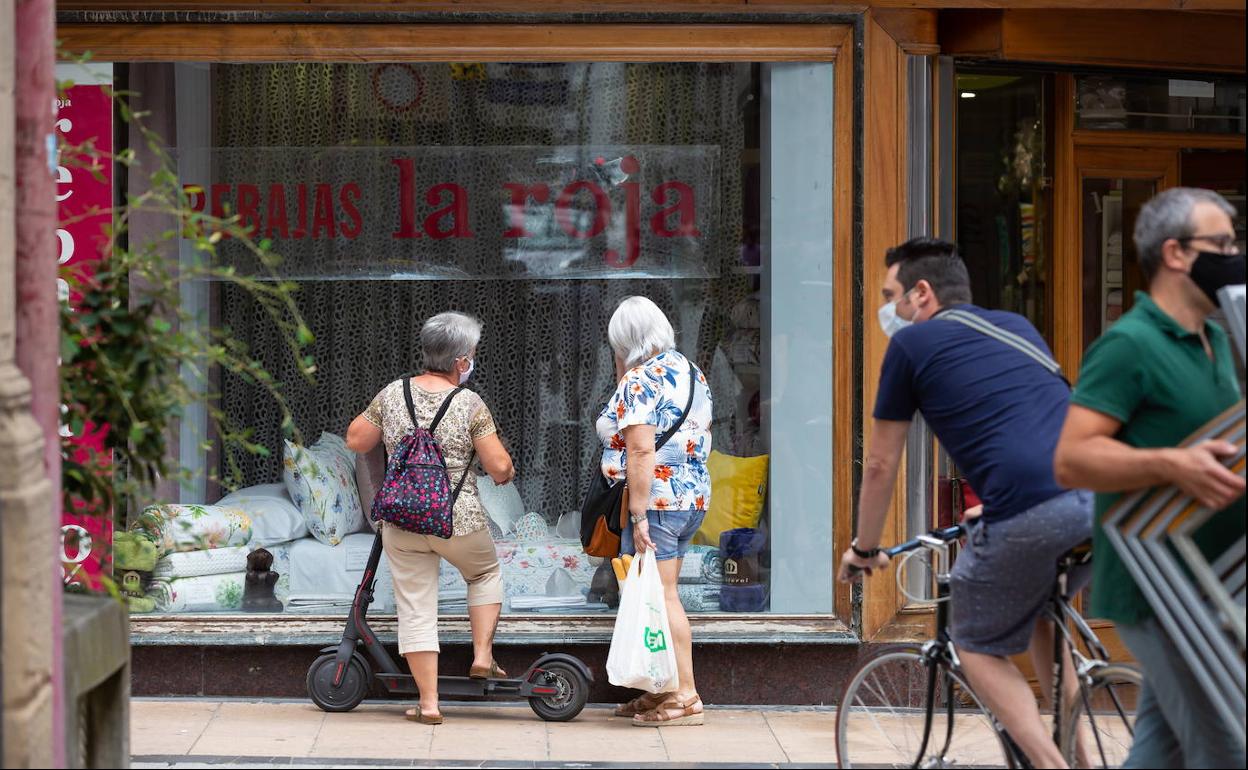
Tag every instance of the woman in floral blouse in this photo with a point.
(653, 391)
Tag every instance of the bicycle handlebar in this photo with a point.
(944, 535)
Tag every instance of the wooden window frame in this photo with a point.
(712, 42)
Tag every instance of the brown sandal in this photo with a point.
(481, 672)
(639, 705)
(659, 716)
(416, 715)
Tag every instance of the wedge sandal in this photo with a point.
(660, 716)
(640, 704)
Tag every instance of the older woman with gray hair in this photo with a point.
(659, 390)
(449, 346)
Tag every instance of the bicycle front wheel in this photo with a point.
(1100, 725)
(882, 718)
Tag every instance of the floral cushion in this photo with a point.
(321, 481)
(194, 527)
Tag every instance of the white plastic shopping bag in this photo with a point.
(641, 654)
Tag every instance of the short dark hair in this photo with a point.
(934, 261)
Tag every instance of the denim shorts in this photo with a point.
(1005, 573)
(670, 531)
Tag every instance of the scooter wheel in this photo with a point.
(573, 692)
(354, 687)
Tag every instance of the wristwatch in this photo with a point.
(863, 554)
(638, 519)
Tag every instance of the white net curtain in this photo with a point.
(543, 366)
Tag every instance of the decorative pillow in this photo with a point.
(501, 503)
(370, 474)
(321, 481)
(738, 491)
(531, 527)
(194, 527)
(274, 516)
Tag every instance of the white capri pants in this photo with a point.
(414, 561)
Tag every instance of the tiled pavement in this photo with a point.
(186, 732)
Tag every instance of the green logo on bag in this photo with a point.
(656, 641)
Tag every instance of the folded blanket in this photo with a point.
(218, 561)
(194, 527)
(702, 564)
(316, 604)
(520, 603)
(208, 593)
(699, 597)
(748, 598)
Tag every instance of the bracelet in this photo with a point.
(863, 554)
(638, 519)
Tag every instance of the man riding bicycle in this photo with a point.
(986, 384)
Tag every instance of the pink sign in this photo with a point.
(84, 195)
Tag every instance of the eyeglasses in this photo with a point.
(1222, 242)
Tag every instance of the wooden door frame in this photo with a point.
(1083, 153)
(823, 41)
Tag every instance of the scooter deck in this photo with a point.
(462, 686)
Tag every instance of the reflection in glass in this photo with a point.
(1111, 273)
(1003, 219)
(1149, 103)
(395, 178)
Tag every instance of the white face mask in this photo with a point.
(464, 375)
(890, 322)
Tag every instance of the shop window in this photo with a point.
(535, 197)
(1003, 190)
(1188, 103)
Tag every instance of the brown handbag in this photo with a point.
(603, 542)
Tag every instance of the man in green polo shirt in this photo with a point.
(1157, 376)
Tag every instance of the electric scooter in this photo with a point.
(556, 685)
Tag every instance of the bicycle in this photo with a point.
(878, 720)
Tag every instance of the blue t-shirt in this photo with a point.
(997, 412)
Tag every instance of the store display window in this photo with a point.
(534, 197)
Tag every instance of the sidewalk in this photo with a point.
(186, 732)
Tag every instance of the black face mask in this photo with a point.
(1212, 270)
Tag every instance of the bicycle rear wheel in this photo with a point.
(1103, 718)
(880, 721)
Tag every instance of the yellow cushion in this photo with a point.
(738, 491)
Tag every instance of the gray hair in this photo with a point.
(447, 337)
(1169, 215)
(639, 330)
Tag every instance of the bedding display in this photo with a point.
(315, 574)
(321, 482)
(215, 561)
(204, 593)
(193, 527)
(274, 516)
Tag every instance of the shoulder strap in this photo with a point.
(407, 396)
(693, 386)
(1022, 345)
(437, 418)
(446, 404)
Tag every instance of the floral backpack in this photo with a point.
(416, 493)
